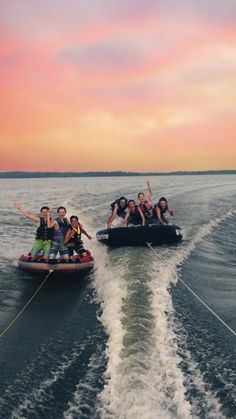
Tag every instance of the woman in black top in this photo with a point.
(134, 215)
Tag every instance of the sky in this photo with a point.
(117, 85)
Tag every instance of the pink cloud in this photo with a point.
(158, 77)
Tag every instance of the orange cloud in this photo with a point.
(149, 92)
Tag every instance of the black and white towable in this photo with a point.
(137, 236)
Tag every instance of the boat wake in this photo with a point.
(145, 375)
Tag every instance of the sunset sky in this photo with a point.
(118, 85)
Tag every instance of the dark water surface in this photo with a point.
(127, 340)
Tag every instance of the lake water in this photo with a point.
(128, 340)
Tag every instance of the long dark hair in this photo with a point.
(162, 199)
(122, 198)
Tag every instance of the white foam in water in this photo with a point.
(167, 389)
(71, 210)
(208, 400)
(145, 385)
(158, 387)
(166, 376)
(185, 251)
(85, 220)
(155, 387)
(92, 207)
(82, 396)
(38, 395)
(168, 381)
(149, 383)
(111, 291)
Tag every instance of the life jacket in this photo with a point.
(147, 209)
(121, 211)
(135, 217)
(77, 236)
(64, 225)
(43, 232)
(162, 210)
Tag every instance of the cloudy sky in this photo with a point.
(118, 85)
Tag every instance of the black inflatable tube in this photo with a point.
(138, 236)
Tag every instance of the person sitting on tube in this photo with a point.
(73, 238)
(147, 206)
(118, 208)
(134, 215)
(162, 208)
(44, 232)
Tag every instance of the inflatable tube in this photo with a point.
(58, 267)
(137, 236)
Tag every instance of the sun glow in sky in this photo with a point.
(106, 85)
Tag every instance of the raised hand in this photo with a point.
(16, 205)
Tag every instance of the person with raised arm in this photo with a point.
(44, 232)
(147, 206)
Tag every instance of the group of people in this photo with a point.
(54, 236)
(62, 236)
(141, 214)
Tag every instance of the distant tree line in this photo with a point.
(19, 174)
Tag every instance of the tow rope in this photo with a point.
(198, 298)
(26, 305)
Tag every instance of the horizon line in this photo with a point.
(28, 174)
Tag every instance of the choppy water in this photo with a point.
(128, 340)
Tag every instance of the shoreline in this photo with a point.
(25, 175)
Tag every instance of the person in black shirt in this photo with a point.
(118, 208)
(134, 215)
